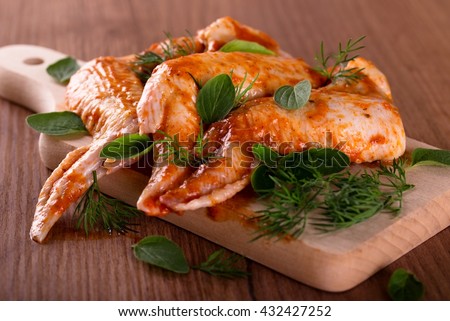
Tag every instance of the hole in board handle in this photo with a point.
(33, 61)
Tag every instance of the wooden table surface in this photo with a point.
(408, 40)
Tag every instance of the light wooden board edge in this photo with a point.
(24, 80)
(332, 262)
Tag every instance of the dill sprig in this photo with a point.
(203, 151)
(353, 198)
(134, 146)
(240, 92)
(146, 62)
(95, 209)
(181, 155)
(219, 264)
(288, 207)
(341, 198)
(172, 50)
(341, 58)
(173, 151)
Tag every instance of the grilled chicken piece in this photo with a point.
(226, 29)
(167, 82)
(169, 97)
(105, 93)
(211, 38)
(359, 118)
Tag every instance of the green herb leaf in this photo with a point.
(127, 146)
(301, 165)
(162, 252)
(324, 161)
(246, 46)
(145, 63)
(63, 69)
(353, 198)
(404, 286)
(424, 156)
(240, 97)
(288, 206)
(267, 155)
(313, 179)
(293, 97)
(97, 209)
(172, 50)
(218, 264)
(261, 181)
(216, 99)
(56, 123)
(149, 59)
(341, 58)
(197, 83)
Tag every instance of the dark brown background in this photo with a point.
(408, 40)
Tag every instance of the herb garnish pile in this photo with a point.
(320, 179)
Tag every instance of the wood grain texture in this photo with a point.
(406, 39)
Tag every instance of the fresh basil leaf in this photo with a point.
(404, 286)
(56, 123)
(246, 46)
(159, 251)
(306, 164)
(63, 69)
(265, 154)
(261, 181)
(324, 161)
(294, 162)
(220, 265)
(127, 146)
(216, 99)
(425, 156)
(295, 97)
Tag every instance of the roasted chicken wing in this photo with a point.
(168, 103)
(358, 118)
(105, 93)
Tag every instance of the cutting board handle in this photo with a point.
(24, 80)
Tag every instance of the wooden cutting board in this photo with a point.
(334, 262)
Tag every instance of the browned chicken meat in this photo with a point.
(168, 103)
(105, 93)
(358, 118)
